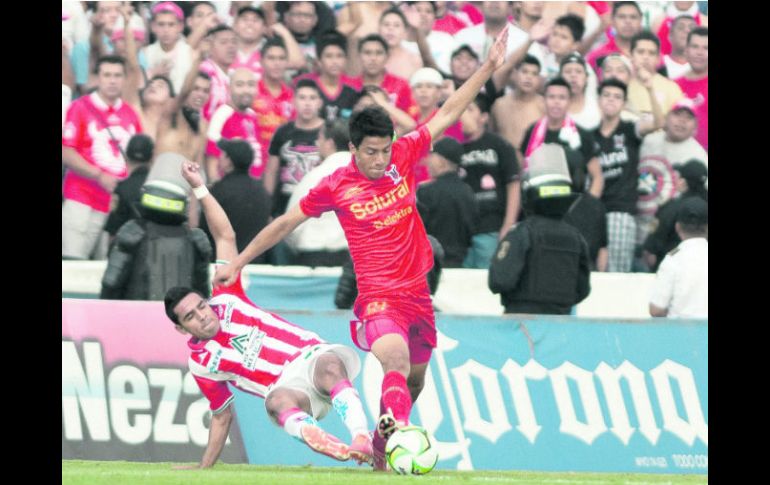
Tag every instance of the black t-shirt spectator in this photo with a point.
(339, 106)
(619, 158)
(577, 159)
(298, 154)
(128, 192)
(247, 205)
(587, 214)
(490, 165)
(450, 215)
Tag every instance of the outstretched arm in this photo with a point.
(266, 239)
(220, 427)
(219, 225)
(460, 99)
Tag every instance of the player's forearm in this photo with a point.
(220, 426)
(267, 238)
(500, 77)
(218, 223)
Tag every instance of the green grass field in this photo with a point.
(120, 472)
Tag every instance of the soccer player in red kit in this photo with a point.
(374, 199)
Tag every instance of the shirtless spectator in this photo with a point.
(515, 112)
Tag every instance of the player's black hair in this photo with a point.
(173, 297)
(370, 121)
(272, 42)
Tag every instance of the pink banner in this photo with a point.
(130, 331)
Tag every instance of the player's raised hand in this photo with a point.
(191, 173)
(497, 52)
(225, 275)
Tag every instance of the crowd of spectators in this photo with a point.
(628, 102)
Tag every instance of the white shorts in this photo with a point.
(298, 375)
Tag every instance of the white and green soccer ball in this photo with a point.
(410, 450)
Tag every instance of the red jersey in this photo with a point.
(698, 91)
(272, 112)
(86, 131)
(399, 92)
(228, 124)
(665, 30)
(250, 351)
(609, 47)
(450, 23)
(386, 237)
(220, 87)
(252, 62)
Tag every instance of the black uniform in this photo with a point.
(587, 214)
(451, 215)
(128, 192)
(148, 258)
(541, 266)
(577, 158)
(665, 238)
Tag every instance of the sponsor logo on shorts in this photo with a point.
(376, 307)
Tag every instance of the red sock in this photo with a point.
(395, 395)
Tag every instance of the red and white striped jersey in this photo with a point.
(250, 350)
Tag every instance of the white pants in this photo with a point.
(82, 231)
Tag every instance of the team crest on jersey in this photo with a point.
(351, 192)
(393, 174)
(619, 140)
(249, 345)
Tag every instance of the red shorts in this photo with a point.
(408, 313)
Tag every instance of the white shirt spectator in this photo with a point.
(325, 232)
(655, 144)
(476, 37)
(75, 26)
(682, 282)
(674, 69)
(180, 58)
(441, 47)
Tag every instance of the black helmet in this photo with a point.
(163, 202)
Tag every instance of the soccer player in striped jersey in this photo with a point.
(374, 200)
(235, 342)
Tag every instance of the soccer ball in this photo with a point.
(410, 450)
